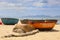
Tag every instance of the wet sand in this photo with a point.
(42, 35)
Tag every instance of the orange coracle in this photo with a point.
(41, 24)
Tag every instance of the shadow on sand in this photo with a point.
(53, 30)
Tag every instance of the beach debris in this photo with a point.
(22, 30)
(21, 34)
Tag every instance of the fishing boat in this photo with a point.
(1, 22)
(9, 21)
(40, 24)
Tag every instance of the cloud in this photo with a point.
(6, 5)
(29, 4)
(3, 3)
(22, 3)
(49, 3)
(28, 0)
(18, 6)
(38, 4)
(53, 2)
(24, 0)
(27, 7)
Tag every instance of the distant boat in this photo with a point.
(1, 22)
(9, 21)
(40, 24)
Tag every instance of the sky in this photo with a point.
(18, 8)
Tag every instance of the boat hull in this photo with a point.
(9, 21)
(41, 24)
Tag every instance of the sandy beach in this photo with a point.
(42, 35)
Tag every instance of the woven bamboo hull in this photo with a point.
(41, 24)
(9, 21)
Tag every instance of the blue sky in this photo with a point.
(17, 8)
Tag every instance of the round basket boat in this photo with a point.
(9, 21)
(40, 24)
